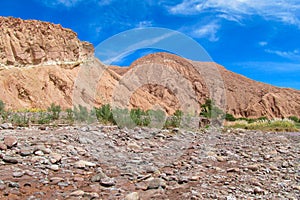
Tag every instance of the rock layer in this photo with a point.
(32, 42)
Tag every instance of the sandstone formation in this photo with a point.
(32, 42)
(42, 63)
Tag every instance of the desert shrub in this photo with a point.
(278, 125)
(229, 117)
(44, 118)
(82, 114)
(70, 115)
(174, 120)
(140, 117)
(122, 118)
(20, 119)
(3, 112)
(157, 118)
(104, 114)
(295, 119)
(54, 111)
(210, 110)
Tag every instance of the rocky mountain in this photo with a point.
(32, 42)
(42, 63)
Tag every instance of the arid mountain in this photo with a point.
(42, 63)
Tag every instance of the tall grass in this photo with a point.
(278, 125)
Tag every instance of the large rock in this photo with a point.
(32, 42)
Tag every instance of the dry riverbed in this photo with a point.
(104, 162)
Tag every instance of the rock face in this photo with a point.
(32, 42)
(42, 63)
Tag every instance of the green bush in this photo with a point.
(54, 111)
(3, 113)
(20, 119)
(210, 110)
(44, 118)
(295, 119)
(278, 125)
(174, 120)
(81, 114)
(229, 117)
(140, 117)
(122, 118)
(70, 115)
(104, 114)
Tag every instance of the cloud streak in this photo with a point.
(287, 12)
(292, 55)
(207, 31)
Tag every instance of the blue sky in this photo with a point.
(259, 39)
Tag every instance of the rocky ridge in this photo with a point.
(32, 42)
(41, 63)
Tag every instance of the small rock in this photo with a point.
(296, 187)
(133, 146)
(3, 146)
(42, 148)
(98, 177)
(107, 182)
(233, 170)
(55, 158)
(7, 126)
(258, 190)
(10, 159)
(55, 180)
(10, 141)
(54, 167)
(82, 164)
(26, 152)
(132, 196)
(39, 153)
(77, 193)
(253, 167)
(13, 185)
(18, 174)
(63, 184)
(156, 183)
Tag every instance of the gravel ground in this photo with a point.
(105, 162)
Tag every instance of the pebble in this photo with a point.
(10, 141)
(156, 183)
(82, 164)
(132, 196)
(10, 159)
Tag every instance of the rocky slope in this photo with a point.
(32, 42)
(42, 63)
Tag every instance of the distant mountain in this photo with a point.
(42, 63)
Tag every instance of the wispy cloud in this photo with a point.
(207, 31)
(263, 43)
(65, 3)
(236, 10)
(271, 67)
(144, 24)
(292, 55)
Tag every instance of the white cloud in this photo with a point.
(271, 67)
(293, 55)
(236, 10)
(144, 24)
(263, 43)
(207, 31)
(66, 3)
